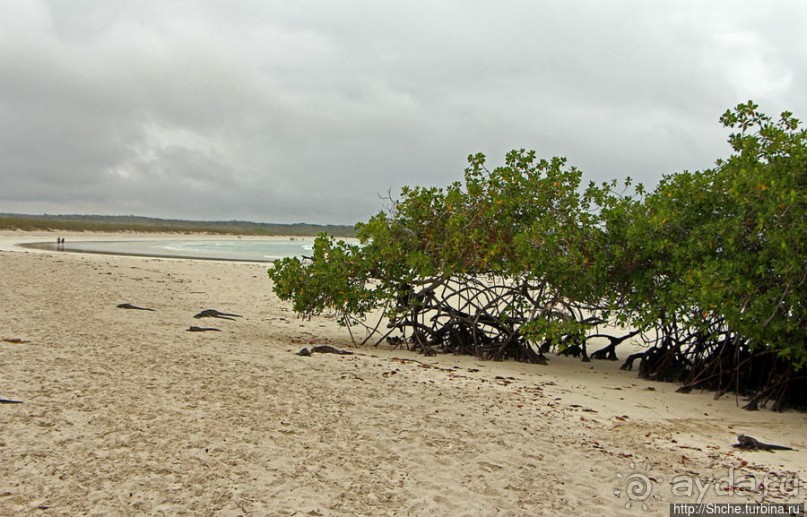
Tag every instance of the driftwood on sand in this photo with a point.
(194, 328)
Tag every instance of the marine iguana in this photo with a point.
(326, 349)
(323, 349)
(130, 306)
(213, 313)
(750, 443)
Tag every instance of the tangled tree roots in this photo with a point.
(479, 317)
(724, 364)
(609, 352)
(483, 318)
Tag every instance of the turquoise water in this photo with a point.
(239, 250)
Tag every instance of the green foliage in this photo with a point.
(753, 249)
(727, 245)
(522, 256)
(489, 258)
(335, 280)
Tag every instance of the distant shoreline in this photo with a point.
(249, 249)
(136, 224)
(66, 248)
(45, 242)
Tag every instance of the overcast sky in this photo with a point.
(298, 110)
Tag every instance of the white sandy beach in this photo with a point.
(125, 412)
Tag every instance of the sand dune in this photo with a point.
(126, 412)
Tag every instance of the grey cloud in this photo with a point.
(305, 111)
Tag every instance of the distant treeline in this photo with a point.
(130, 223)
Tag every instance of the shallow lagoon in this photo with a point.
(246, 250)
